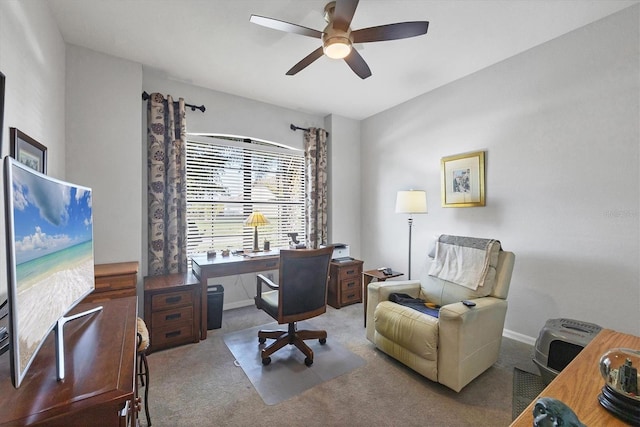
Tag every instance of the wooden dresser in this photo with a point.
(99, 388)
(116, 280)
(172, 309)
(345, 283)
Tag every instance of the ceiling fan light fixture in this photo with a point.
(337, 47)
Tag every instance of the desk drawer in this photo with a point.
(166, 318)
(350, 291)
(171, 299)
(116, 282)
(170, 336)
(109, 295)
(350, 272)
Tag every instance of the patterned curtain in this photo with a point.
(166, 136)
(315, 158)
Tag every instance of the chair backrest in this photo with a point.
(304, 274)
(442, 292)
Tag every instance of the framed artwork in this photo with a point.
(462, 179)
(1, 109)
(28, 151)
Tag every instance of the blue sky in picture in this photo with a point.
(48, 215)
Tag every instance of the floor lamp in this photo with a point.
(255, 220)
(411, 202)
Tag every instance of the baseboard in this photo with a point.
(238, 304)
(519, 337)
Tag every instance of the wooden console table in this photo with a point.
(579, 384)
(100, 382)
(205, 268)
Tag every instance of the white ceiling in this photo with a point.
(212, 44)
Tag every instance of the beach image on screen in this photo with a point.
(53, 253)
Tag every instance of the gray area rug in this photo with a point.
(526, 387)
(287, 375)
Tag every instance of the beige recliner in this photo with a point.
(453, 348)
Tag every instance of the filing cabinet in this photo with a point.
(345, 283)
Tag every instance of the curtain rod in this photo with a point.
(146, 96)
(295, 128)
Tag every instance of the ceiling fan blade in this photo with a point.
(306, 61)
(401, 30)
(357, 64)
(285, 26)
(343, 14)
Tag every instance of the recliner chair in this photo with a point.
(455, 347)
(301, 294)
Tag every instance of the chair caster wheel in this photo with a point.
(308, 361)
(323, 341)
(262, 340)
(266, 361)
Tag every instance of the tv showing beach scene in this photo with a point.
(51, 263)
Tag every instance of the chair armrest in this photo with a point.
(261, 278)
(469, 339)
(264, 279)
(379, 291)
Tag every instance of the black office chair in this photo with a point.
(301, 294)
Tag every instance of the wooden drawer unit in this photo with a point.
(345, 283)
(172, 309)
(115, 280)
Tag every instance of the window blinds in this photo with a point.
(227, 180)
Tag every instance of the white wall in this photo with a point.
(560, 125)
(344, 182)
(103, 147)
(32, 59)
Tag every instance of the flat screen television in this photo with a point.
(49, 226)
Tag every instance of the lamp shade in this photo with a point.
(411, 202)
(256, 219)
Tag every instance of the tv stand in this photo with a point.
(100, 381)
(60, 338)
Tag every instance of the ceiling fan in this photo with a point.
(338, 37)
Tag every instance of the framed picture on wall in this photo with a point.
(1, 109)
(462, 180)
(28, 151)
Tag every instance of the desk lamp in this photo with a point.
(255, 220)
(411, 202)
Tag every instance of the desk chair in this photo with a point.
(143, 366)
(301, 294)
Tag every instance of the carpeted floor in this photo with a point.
(287, 375)
(199, 385)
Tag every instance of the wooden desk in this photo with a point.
(205, 268)
(367, 277)
(100, 352)
(579, 384)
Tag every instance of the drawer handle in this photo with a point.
(172, 334)
(351, 284)
(173, 300)
(351, 296)
(173, 316)
(350, 271)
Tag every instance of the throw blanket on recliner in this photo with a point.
(464, 260)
